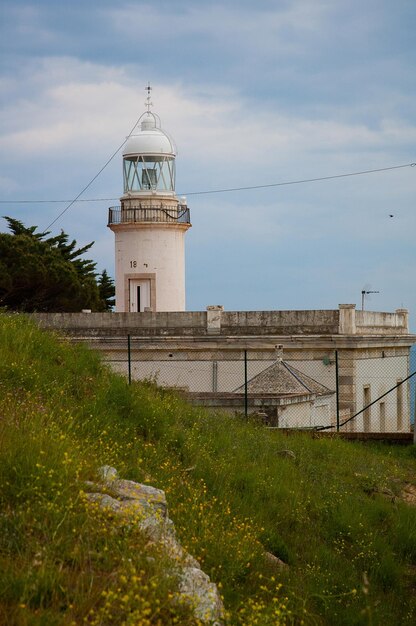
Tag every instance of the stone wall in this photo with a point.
(215, 321)
(379, 323)
(317, 322)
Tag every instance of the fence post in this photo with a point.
(414, 416)
(337, 386)
(414, 412)
(129, 356)
(245, 385)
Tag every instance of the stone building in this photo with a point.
(202, 352)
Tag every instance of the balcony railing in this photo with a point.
(133, 215)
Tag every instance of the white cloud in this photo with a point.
(224, 24)
(253, 93)
(65, 105)
(75, 107)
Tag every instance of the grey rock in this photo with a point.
(409, 494)
(274, 560)
(107, 473)
(201, 594)
(149, 496)
(105, 501)
(134, 503)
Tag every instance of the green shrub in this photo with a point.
(326, 510)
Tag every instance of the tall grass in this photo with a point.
(331, 510)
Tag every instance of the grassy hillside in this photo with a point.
(329, 509)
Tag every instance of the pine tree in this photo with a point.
(107, 290)
(38, 273)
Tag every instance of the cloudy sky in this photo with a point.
(254, 93)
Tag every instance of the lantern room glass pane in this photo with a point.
(155, 173)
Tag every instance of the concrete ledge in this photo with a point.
(345, 323)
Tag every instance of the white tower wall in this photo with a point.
(152, 257)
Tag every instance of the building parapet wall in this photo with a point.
(345, 321)
(318, 322)
(379, 323)
(352, 322)
(214, 321)
(112, 324)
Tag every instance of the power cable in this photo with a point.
(211, 191)
(319, 428)
(302, 181)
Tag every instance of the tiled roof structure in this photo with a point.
(280, 378)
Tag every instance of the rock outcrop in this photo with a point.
(146, 507)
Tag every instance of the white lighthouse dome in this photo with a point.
(149, 140)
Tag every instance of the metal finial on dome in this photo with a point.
(148, 102)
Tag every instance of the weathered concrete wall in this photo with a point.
(279, 322)
(379, 323)
(115, 324)
(195, 323)
(345, 321)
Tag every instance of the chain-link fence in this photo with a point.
(333, 391)
(374, 393)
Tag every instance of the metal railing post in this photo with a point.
(129, 356)
(337, 386)
(245, 385)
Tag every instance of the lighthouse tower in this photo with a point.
(150, 224)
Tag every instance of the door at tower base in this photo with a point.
(139, 295)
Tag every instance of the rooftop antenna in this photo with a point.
(148, 102)
(365, 292)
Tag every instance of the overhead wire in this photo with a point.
(303, 180)
(204, 192)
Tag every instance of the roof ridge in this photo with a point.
(291, 370)
(306, 376)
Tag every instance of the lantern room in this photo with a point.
(149, 159)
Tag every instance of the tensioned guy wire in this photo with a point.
(57, 201)
(93, 179)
